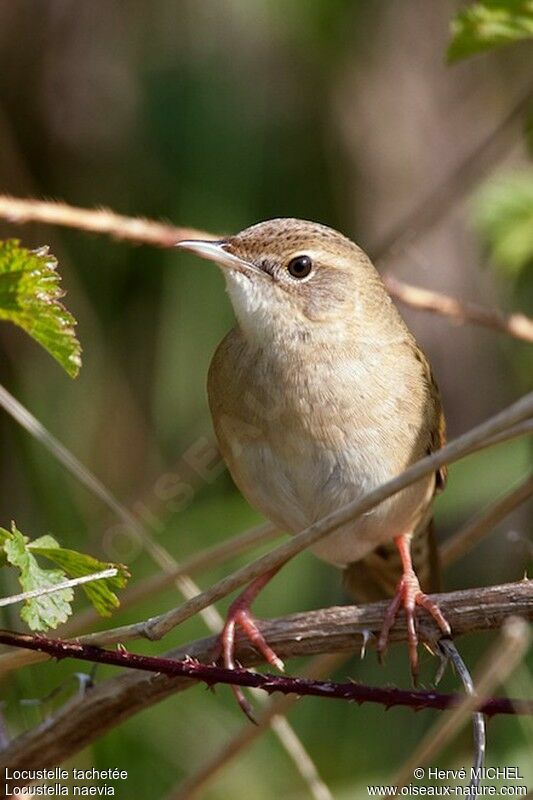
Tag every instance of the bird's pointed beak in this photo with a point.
(219, 252)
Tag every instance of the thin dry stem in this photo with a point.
(182, 581)
(318, 790)
(479, 727)
(148, 587)
(88, 479)
(497, 428)
(194, 784)
(158, 234)
(133, 229)
(457, 183)
(516, 325)
(477, 528)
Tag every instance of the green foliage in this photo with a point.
(488, 24)
(50, 610)
(503, 213)
(29, 297)
(46, 611)
(75, 565)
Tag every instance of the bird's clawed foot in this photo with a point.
(239, 615)
(409, 595)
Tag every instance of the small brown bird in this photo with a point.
(318, 395)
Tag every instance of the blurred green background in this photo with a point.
(216, 114)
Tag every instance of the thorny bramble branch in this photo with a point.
(211, 674)
(81, 721)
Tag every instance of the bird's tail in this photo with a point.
(376, 576)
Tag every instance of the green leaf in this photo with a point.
(488, 24)
(49, 610)
(75, 565)
(29, 297)
(503, 214)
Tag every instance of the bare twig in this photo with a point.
(517, 325)
(475, 529)
(339, 628)
(455, 548)
(133, 229)
(299, 755)
(441, 198)
(30, 423)
(495, 429)
(79, 723)
(502, 658)
(16, 658)
(143, 231)
(461, 543)
(158, 234)
(67, 584)
(170, 566)
(197, 562)
(160, 555)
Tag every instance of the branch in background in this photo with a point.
(80, 722)
(456, 547)
(517, 325)
(143, 231)
(132, 229)
(476, 528)
(442, 198)
(498, 428)
(88, 479)
(148, 587)
(211, 675)
(193, 784)
(168, 564)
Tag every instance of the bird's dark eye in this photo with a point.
(300, 267)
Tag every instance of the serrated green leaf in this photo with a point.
(30, 298)
(503, 213)
(488, 24)
(47, 611)
(75, 565)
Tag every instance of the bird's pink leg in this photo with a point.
(239, 615)
(409, 595)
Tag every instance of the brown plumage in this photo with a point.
(319, 394)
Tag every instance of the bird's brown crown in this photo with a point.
(270, 245)
(317, 268)
(289, 273)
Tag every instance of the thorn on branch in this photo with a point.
(212, 675)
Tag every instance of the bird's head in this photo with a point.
(285, 275)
